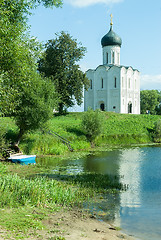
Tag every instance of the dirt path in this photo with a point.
(73, 225)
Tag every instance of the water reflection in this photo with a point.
(138, 210)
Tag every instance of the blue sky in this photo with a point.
(137, 22)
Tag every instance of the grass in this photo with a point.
(22, 195)
(26, 201)
(119, 129)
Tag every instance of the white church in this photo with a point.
(113, 87)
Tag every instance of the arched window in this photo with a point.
(113, 57)
(91, 84)
(102, 82)
(129, 107)
(115, 82)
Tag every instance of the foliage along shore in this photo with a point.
(118, 129)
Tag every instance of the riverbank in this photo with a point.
(119, 129)
(67, 225)
(38, 204)
(30, 221)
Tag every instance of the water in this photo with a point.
(138, 210)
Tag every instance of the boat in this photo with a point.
(23, 159)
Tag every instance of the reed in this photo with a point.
(40, 191)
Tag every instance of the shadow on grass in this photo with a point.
(95, 181)
(76, 131)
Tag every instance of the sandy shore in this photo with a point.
(72, 225)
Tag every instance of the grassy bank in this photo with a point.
(28, 198)
(118, 129)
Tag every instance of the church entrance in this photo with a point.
(102, 107)
(129, 107)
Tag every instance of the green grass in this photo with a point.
(119, 129)
(27, 200)
(21, 194)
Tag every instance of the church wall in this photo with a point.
(89, 95)
(111, 55)
(113, 92)
(130, 90)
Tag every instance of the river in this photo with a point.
(136, 211)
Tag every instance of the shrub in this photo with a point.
(157, 131)
(92, 123)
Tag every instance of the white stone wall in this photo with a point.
(115, 87)
(130, 90)
(113, 53)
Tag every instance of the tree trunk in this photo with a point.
(15, 145)
(61, 108)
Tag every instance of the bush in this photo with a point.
(157, 131)
(92, 123)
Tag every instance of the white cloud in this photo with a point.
(150, 82)
(86, 3)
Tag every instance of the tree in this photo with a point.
(157, 131)
(92, 124)
(149, 100)
(24, 94)
(13, 27)
(59, 63)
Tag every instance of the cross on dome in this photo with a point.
(111, 19)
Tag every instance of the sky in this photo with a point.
(137, 22)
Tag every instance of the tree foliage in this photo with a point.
(60, 64)
(157, 131)
(24, 94)
(92, 124)
(149, 100)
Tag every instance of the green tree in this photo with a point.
(149, 100)
(59, 62)
(157, 131)
(92, 124)
(24, 94)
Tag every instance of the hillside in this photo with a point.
(118, 129)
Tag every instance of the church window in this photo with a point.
(107, 58)
(102, 82)
(135, 84)
(91, 84)
(129, 107)
(114, 107)
(115, 82)
(123, 101)
(113, 57)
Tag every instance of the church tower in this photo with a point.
(111, 44)
(113, 87)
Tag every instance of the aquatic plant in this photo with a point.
(16, 191)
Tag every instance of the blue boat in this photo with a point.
(23, 159)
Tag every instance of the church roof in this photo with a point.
(111, 39)
(108, 67)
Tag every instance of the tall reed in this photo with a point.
(16, 191)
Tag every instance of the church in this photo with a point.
(113, 87)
